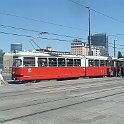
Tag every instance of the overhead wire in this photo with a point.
(29, 36)
(26, 18)
(36, 20)
(36, 31)
(15, 34)
(8, 14)
(18, 28)
(45, 32)
(112, 18)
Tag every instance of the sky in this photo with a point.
(62, 17)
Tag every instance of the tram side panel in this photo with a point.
(40, 68)
(96, 68)
(96, 71)
(32, 68)
(41, 73)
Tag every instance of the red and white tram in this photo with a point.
(43, 66)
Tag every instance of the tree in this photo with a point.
(119, 55)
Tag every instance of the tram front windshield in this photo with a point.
(17, 63)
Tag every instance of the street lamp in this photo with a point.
(89, 37)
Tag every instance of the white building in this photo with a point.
(79, 48)
(95, 51)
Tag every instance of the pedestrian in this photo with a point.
(110, 72)
(118, 71)
(1, 78)
(122, 71)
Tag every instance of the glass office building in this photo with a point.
(16, 47)
(100, 40)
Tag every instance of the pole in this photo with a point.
(89, 37)
(114, 48)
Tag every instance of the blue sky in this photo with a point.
(56, 16)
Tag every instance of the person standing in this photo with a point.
(1, 78)
(118, 71)
(122, 71)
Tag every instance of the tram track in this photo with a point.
(36, 102)
(58, 103)
(48, 94)
(52, 87)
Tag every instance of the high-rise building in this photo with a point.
(100, 40)
(16, 47)
(79, 48)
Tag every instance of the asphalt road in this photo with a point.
(81, 101)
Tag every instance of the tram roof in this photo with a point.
(62, 54)
(27, 53)
(43, 54)
(100, 57)
(121, 59)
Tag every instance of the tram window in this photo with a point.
(69, 62)
(15, 57)
(120, 64)
(115, 63)
(109, 63)
(29, 61)
(96, 62)
(42, 61)
(61, 61)
(91, 62)
(106, 63)
(52, 61)
(17, 63)
(102, 62)
(112, 63)
(77, 62)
